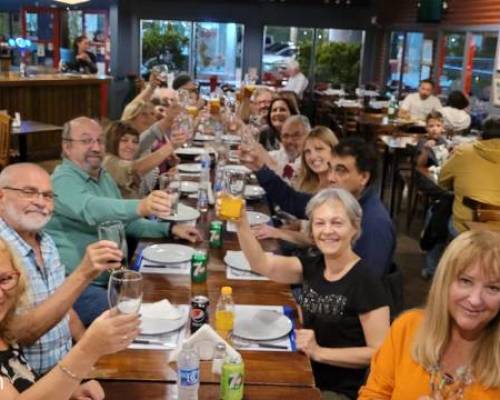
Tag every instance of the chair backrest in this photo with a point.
(4, 140)
(483, 212)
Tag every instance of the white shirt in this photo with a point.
(297, 83)
(418, 108)
(282, 159)
(455, 119)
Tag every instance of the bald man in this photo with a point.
(46, 325)
(88, 196)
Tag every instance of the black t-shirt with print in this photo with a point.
(332, 310)
(15, 368)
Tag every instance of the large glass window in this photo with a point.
(483, 48)
(337, 56)
(218, 51)
(453, 59)
(395, 59)
(413, 60)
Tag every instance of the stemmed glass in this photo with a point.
(125, 290)
(115, 232)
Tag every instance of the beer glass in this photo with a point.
(115, 232)
(231, 198)
(125, 289)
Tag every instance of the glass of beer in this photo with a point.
(214, 105)
(231, 198)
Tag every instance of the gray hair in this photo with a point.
(67, 129)
(348, 201)
(299, 120)
(293, 64)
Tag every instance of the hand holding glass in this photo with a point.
(125, 289)
(171, 185)
(231, 198)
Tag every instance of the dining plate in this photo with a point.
(168, 253)
(257, 218)
(189, 167)
(203, 138)
(237, 168)
(254, 191)
(231, 138)
(189, 186)
(237, 260)
(154, 326)
(256, 324)
(184, 213)
(190, 151)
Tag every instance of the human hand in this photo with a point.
(100, 256)
(154, 80)
(264, 231)
(187, 232)
(157, 203)
(306, 342)
(251, 158)
(109, 333)
(430, 143)
(83, 57)
(90, 390)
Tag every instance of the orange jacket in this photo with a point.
(395, 375)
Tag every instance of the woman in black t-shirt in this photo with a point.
(345, 309)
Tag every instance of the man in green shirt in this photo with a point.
(87, 196)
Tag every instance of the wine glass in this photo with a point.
(125, 289)
(115, 232)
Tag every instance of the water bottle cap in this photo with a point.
(227, 291)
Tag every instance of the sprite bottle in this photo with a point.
(231, 381)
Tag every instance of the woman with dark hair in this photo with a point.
(84, 60)
(134, 176)
(456, 119)
(279, 111)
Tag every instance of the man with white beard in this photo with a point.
(46, 325)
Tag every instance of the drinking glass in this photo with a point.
(161, 72)
(115, 232)
(214, 104)
(231, 198)
(125, 289)
(248, 144)
(171, 185)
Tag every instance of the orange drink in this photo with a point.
(230, 206)
(192, 111)
(214, 105)
(249, 89)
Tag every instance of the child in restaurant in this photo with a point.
(432, 150)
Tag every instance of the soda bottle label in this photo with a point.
(189, 377)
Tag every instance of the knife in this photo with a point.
(272, 346)
(171, 266)
(148, 341)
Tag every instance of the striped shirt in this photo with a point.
(42, 283)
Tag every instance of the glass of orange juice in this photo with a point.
(231, 198)
(214, 105)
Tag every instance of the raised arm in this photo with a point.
(277, 268)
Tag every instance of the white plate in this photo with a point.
(204, 138)
(237, 168)
(190, 167)
(168, 253)
(254, 191)
(189, 186)
(154, 326)
(237, 260)
(257, 218)
(231, 138)
(255, 324)
(190, 151)
(185, 213)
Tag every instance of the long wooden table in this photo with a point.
(145, 374)
(38, 140)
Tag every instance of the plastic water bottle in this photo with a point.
(392, 109)
(219, 176)
(205, 166)
(188, 372)
(204, 182)
(224, 313)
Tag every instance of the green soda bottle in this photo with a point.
(231, 381)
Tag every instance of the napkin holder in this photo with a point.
(204, 340)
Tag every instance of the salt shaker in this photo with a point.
(218, 358)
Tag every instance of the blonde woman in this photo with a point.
(451, 349)
(107, 334)
(316, 155)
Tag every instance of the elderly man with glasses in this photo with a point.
(45, 325)
(87, 196)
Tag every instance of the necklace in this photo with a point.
(445, 386)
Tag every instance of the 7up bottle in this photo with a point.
(231, 382)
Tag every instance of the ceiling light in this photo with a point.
(72, 2)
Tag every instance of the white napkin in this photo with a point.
(162, 309)
(204, 340)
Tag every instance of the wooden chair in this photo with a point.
(5, 136)
(483, 212)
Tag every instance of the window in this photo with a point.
(413, 60)
(395, 59)
(482, 52)
(452, 64)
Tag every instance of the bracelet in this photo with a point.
(69, 373)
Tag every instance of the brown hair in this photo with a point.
(114, 132)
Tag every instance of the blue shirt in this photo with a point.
(43, 281)
(377, 242)
(82, 203)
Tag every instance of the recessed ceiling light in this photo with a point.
(72, 2)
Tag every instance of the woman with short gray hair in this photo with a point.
(345, 308)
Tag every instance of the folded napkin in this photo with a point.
(162, 309)
(204, 340)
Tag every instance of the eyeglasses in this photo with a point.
(31, 193)
(88, 141)
(9, 281)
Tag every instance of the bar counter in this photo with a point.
(54, 98)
